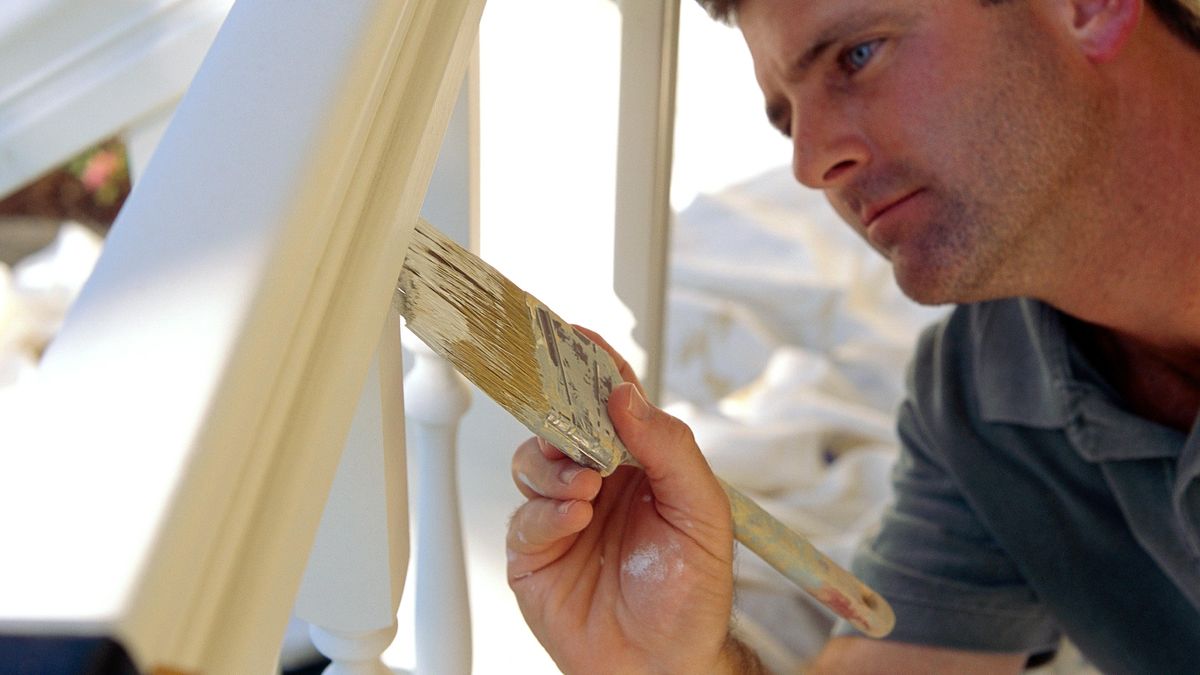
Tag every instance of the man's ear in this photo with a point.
(1102, 27)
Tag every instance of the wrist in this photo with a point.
(739, 659)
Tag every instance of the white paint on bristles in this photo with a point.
(473, 317)
(517, 351)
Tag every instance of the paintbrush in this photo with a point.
(556, 382)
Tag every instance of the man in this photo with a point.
(1036, 162)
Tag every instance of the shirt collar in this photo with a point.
(1030, 374)
(1021, 363)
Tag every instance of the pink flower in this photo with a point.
(100, 168)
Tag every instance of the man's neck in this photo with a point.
(1161, 386)
(1132, 260)
(1131, 267)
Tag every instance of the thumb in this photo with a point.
(684, 486)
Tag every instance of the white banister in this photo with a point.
(354, 653)
(355, 576)
(437, 398)
(649, 40)
(211, 365)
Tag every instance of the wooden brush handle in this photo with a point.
(800, 562)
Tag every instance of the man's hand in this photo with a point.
(632, 573)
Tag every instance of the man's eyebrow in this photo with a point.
(811, 55)
(777, 112)
(837, 31)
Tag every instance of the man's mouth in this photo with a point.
(871, 212)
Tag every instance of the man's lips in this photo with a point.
(873, 212)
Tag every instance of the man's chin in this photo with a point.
(935, 286)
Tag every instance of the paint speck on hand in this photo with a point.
(650, 563)
(646, 497)
(645, 564)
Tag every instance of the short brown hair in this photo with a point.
(1181, 16)
(721, 10)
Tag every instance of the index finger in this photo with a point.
(623, 366)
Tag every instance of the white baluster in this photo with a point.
(436, 399)
(649, 39)
(352, 586)
(353, 653)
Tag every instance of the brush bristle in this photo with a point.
(475, 318)
(539, 368)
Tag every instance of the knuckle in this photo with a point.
(678, 432)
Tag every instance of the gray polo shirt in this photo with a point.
(1031, 503)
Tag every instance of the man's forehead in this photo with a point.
(778, 30)
(798, 18)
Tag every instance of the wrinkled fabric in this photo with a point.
(34, 298)
(787, 341)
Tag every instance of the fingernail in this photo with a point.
(528, 483)
(563, 507)
(568, 474)
(638, 406)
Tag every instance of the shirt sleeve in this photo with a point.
(950, 584)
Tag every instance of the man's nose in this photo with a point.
(828, 149)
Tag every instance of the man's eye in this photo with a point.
(857, 57)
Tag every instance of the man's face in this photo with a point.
(943, 131)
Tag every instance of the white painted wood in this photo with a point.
(351, 589)
(437, 398)
(355, 653)
(74, 72)
(649, 44)
(355, 575)
(141, 138)
(211, 365)
(452, 200)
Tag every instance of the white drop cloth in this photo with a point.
(34, 297)
(787, 341)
